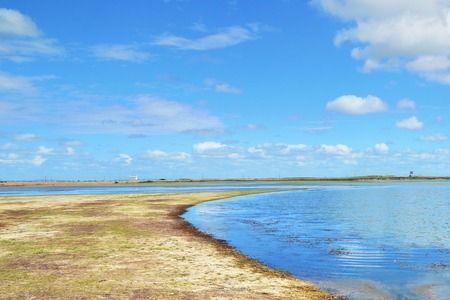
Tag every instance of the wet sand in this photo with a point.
(127, 247)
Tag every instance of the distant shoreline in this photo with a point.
(374, 178)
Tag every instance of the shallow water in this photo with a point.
(153, 188)
(367, 241)
(135, 189)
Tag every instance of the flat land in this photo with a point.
(126, 247)
(370, 178)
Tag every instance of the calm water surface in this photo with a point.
(138, 188)
(367, 241)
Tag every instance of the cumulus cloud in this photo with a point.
(406, 104)
(124, 158)
(354, 105)
(129, 53)
(437, 137)
(208, 147)
(223, 38)
(403, 34)
(20, 38)
(411, 123)
(381, 148)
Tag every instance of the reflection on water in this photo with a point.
(385, 241)
(137, 188)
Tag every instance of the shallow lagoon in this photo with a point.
(366, 241)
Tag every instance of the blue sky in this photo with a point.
(170, 89)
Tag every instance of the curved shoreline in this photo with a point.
(227, 249)
(128, 246)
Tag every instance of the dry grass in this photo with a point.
(126, 247)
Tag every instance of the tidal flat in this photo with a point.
(127, 247)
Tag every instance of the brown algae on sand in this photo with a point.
(126, 247)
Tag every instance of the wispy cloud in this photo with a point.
(223, 38)
(221, 87)
(21, 40)
(42, 150)
(17, 84)
(167, 156)
(38, 160)
(437, 137)
(26, 137)
(130, 53)
(144, 114)
(406, 104)
(338, 149)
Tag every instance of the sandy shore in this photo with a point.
(126, 247)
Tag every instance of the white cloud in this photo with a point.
(38, 160)
(10, 158)
(162, 155)
(406, 104)
(21, 40)
(120, 52)
(26, 137)
(438, 137)
(7, 146)
(225, 37)
(235, 156)
(156, 154)
(124, 159)
(381, 148)
(301, 160)
(221, 87)
(42, 150)
(70, 151)
(253, 126)
(431, 67)
(209, 146)
(411, 123)
(181, 156)
(403, 34)
(11, 83)
(287, 149)
(316, 129)
(354, 105)
(144, 114)
(73, 143)
(338, 149)
(12, 22)
(269, 150)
